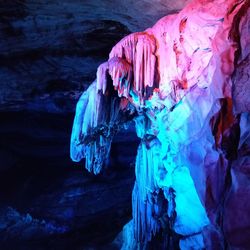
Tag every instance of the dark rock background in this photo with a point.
(49, 52)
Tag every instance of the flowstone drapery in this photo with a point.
(175, 81)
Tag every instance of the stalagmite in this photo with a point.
(176, 78)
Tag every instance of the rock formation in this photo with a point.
(185, 84)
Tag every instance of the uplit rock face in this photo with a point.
(176, 80)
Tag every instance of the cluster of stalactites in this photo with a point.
(131, 65)
(121, 74)
(94, 127)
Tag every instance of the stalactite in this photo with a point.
(120, 71)
(94, 127)
(145, 192)
(138, 50)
